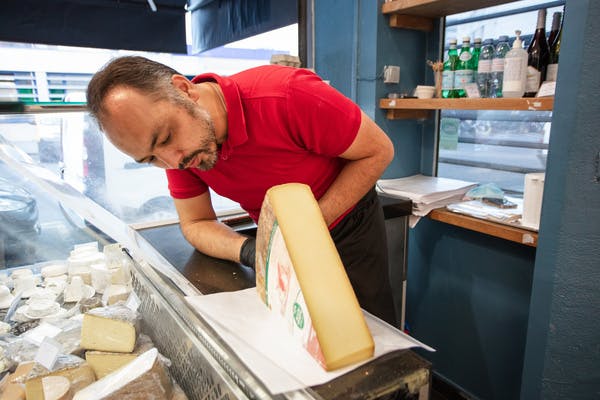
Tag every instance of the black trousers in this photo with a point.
(361, 241)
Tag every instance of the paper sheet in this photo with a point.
(262, 342)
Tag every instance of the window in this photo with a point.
(70, 144)
(495, 146)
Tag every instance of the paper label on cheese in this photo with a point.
(284, 296)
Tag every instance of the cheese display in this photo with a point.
(143, 378)
(300, 276)
(112, 331)
(106, 335)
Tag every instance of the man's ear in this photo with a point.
(182, 83)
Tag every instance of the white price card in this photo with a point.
(133, 301)
(48, 353)
(472, 90)
(547, 89)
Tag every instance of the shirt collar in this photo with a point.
(236, 122)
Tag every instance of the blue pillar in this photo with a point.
(562, 357)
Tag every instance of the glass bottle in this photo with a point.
(497, 74)
(515, 70)
(484, 67)
(538, 57)
(552, 71)
(463, 73)
(448, 72)
(556, 25)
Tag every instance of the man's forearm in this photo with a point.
(353, 182)
(214, 238)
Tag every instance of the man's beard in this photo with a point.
(210, 138)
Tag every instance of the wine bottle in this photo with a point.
(552, 71)
(538, 56)
(556, 25)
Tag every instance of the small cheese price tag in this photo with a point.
(133, 301)
(48, 353)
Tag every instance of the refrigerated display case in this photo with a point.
(201, 361)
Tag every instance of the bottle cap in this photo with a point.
(453, 41)
(503, 38)
(518, 43)
(477, 40)
(466, 39)
(488, 41)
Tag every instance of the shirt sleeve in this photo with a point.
(184, 184)
(322, 119)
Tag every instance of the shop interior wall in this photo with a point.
(469, 294)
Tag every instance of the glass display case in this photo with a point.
(56, 195)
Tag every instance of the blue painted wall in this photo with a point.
(562, 358)
(507, 323)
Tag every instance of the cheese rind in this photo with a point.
(143, 378)
(291, 223)
(107, 334)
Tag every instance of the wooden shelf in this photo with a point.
(512, 233)
(419, 108)
(419, 14)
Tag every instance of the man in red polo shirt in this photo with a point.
(241, 135)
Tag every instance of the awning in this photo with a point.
(218, 22)
(111, 24)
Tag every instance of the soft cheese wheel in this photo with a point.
(107, 334)
(339, 335)
(56, 388)
(142, 378)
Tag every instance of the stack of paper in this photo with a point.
(426, 192)
(476, 208)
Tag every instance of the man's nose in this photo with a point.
(169, 158)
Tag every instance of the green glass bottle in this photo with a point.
(463, 73)
(448, 72)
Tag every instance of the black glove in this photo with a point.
(248, 252)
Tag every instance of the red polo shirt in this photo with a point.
(284, 125)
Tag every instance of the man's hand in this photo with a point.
(248, 253)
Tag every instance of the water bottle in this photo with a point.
(463, 74)
(484, 67)
(498, 66)
(448, 72)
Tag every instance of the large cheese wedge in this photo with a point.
(79, 377)
(14, 390)
(141, 379)
(299, 275)
(107, 334)
(104, 362)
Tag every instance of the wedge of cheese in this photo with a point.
(14, 390)
(103, 363)
(143, 378)
(299, 275)
(107, 334)
(78, 376)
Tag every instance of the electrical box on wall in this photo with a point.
(391, 74)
